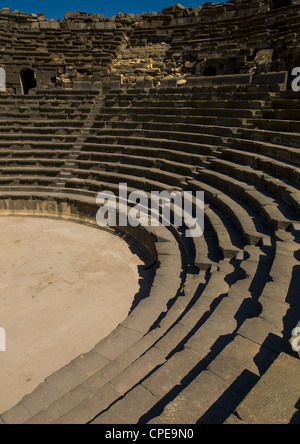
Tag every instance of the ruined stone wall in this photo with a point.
(240, 36)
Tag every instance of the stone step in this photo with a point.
(182, 111)
(175, 151)
(172, 144)
(46, 125)
(15, 138)
(266, 405)
(264, 163)
(278, 138)
(215, 104)
(47, 131)
(211, 396)
(36, 163)
(242, 219)
(174, 378)
(101, 364)
(164, 127)
(285, 126)
(169, 119)
(223, 233)
(265, 203)
(124, 383)
(279, 152)
(283, 190)
(11, 183)
(126, 174)
(108, 182)
(204, 93)
(110, 169)
(210, 137)
(101, 375)
(111, 162)
(41, 145)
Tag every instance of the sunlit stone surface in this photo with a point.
(63, 287)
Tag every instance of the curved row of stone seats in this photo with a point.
(125, 162)
(55, 106)
(138, 128)
(269, 165)
(174, 158)
(146, 139)
(186, 113)
(50, 49)
(175, 145)
(273, 165)
(265, 197)
(225, 43)
(286, 125)
(282, 116)
(282, 403)
(198, 103)
(273, 137)
(192, 97)
(263, 173)
(277, 151)
(134, 176)
(252, 189)
(188, 102)
(38, 136)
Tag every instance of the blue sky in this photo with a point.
(57, 8)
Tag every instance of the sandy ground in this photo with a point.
(63, 287)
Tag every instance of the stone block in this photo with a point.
(115, 85)
(277, 78)
(173, 83)
(275, 398)
(82, 85)
(144, 84)
(97, 86)
(238, 79)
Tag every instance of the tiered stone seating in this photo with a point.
(222, 307)
(84, 52)
(98, 54)
(228, 43)
(37, 136)
(130, 128)
(235, 37)
(283, 401)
